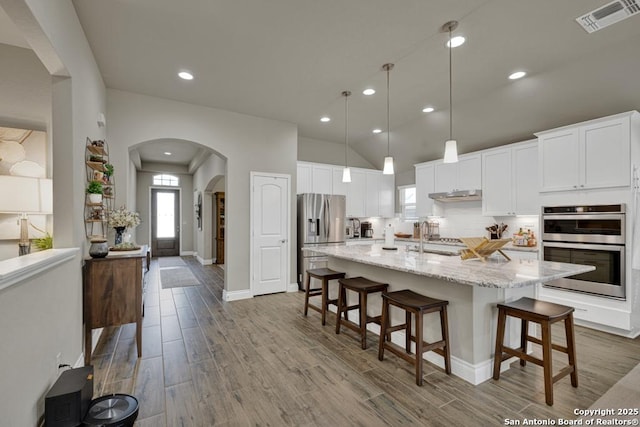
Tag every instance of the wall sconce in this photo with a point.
(25, 195)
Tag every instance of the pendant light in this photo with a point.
(388, 161)
(450, 146)
(346, 173)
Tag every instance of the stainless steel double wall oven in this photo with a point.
(591, 235)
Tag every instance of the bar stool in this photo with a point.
(363, 287)
(418, 305)
(545, 314)
(325, 275)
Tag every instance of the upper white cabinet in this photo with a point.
(464, 175)
(372, 199)
(509, 180)
(594, 154)
(304, 178)
(425, 184)
(356, 194)
(314, 178)
(387, 196)
(370, 193)
(339, 187)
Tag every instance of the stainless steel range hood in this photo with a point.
(457, 196)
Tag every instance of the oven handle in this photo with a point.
(592, 216)
(614, 248)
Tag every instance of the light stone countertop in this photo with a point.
(495, 273)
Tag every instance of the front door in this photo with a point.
(270, 224)
(165, 222)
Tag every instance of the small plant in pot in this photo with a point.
(95, 191)
(108, 172)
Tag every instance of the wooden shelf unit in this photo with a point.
(220, 226)
(96, 215)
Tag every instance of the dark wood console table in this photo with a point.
(113, 293)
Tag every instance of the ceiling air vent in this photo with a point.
(608, 14)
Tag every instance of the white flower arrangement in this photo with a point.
(123, 218)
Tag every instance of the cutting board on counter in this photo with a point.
(481, 247)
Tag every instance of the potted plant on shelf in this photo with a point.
(95, 191)
(108, 172)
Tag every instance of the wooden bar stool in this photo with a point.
(544, 313)
(418, 305)
(363, 287)
(325, 275)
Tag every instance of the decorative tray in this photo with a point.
(123, 249)
(481, 247)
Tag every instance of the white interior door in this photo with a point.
(270, 225)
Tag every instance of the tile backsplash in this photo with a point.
(461, 219)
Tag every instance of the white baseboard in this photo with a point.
(203, 261)
(236, 295)
(187, 253)
(293, 287)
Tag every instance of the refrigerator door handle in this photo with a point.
(317, 226)
(327, 218)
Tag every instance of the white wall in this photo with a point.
(212, 171)
(46, 315)
(318, 151)
(248, 143)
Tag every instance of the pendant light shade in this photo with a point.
(346, 173)
(450, 151)
(388, 161)
(450, 146)
(388, 166)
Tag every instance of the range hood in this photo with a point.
(457, 196)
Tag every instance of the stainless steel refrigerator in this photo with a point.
(321, 221)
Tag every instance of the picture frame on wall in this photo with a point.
(199, 210)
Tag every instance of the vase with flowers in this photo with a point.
(121, 219)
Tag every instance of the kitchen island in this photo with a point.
(472, 288)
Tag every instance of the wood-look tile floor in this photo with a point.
(261, 362)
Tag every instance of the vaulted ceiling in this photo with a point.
(290, 60)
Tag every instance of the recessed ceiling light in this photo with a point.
(185, 75)
(167, 153)
(368, 91)
(325, 119)
(428, 109)
(456, 41)
(377, 130)
(517, 75)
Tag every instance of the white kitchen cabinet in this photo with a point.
(594, 154)
(304, 178)
(339, 187)
(463, 175)
(526, 196)
(509, 180)
(322, 179)
(425, 184)
(372, 200)
(314, 178)
(357, 193)
(386, 196)
(497, 180)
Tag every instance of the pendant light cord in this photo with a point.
(450, 90)
(388, 66)
(346, 95)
